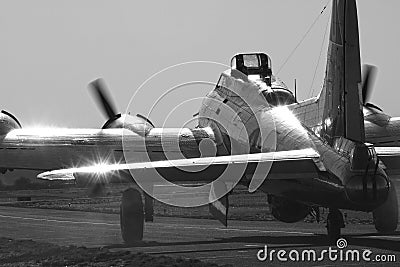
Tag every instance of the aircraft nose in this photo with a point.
(367, 189)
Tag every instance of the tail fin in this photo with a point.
(342, 115)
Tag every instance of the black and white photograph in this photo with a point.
(199, 133)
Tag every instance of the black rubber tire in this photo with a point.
(131, 216)
(333, 231)
(334, 224)
(386, 216)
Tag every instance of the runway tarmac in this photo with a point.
(206, 240)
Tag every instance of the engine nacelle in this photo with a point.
(137, 124)
(8, 123)
(286, 210)
(375, 115)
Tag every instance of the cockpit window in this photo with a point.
(258, 64)
(279, 97)
(251, 61)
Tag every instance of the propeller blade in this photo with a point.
(99, 90)
(369, 73)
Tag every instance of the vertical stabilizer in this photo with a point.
(342, 95)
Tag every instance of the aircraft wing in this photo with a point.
(390, 156)
(291, 164)
(46, 149)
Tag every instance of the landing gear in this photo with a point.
(148, 208)
(386, 216)
(131, 216)
(334, 223)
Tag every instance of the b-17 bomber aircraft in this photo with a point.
(331, 151)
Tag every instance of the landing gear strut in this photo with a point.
(334, 223)
(131, 216)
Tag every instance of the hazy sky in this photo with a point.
(50, 50)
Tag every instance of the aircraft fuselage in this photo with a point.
(241, 115)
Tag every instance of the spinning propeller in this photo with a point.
(137, 124)
(369, 76)
(372, 113)
(99, 91)
(103, 100)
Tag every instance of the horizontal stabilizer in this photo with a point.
(387, 151)
(390, 156)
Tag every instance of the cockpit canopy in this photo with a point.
(257, 67)
(258, 64)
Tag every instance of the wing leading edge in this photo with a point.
(291, 164)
